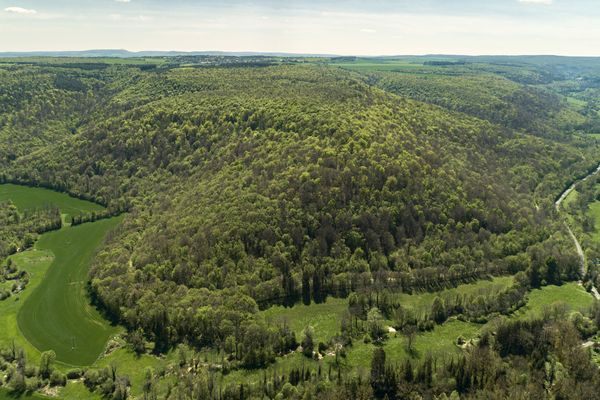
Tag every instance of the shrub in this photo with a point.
(74, 373)
(58, 379)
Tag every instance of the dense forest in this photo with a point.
(267, 182)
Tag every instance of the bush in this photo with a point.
(33, 384)
(30, 371)
(91, 379)
(322, 347)
(58, 379)
(74, 373)
(425, 325)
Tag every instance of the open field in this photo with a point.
(325, 318)
(571, 294)
(440, 342)
(53, 312)
(594, 212)
(423, 301)
(36, 263)
(25, 197)
(57, 315)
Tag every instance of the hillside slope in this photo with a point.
(254, 186)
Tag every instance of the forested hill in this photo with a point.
(250, 186)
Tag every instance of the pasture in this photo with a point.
(25, 197)
(54, 311)
(36, 263)
(570, 294)
(594, 212)
(58, 314)
(325, 318)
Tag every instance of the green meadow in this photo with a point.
(570, 294)
(25, 197)
(325, 318)
(594, 212)
(54, 311)
(58, 315)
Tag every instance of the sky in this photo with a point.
(366, 27)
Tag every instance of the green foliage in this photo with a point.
(258, 183)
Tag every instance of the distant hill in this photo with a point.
(120, 53)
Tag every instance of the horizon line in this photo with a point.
(274, 53)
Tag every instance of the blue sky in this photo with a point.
(367, 27)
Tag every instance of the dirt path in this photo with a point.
(557, 204)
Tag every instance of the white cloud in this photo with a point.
(123, 1)
(536, 1)
(20, 10)
(367, 30)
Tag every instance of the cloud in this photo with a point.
(123, 1)
(366, 30)
(20, 10)
(536, 1)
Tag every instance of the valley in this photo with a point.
(270, 227)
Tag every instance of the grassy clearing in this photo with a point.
(57, 314)
(25, 197)
(571, 294)
(594, 135)
(594, 212)
(423, 301)
(440, 342)
(324, 318)
(577, 103)
(54, 306)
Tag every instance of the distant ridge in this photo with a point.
(120, 53)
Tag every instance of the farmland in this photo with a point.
(53, 312)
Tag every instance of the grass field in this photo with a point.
(54, 307)
(423, 301)
(36, 262)
(53, 312)
(594, 212)
(440, 342)
(325, 318)
(571, 294)
(25, 197)
(57, 315)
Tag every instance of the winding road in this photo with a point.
(557, 204)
